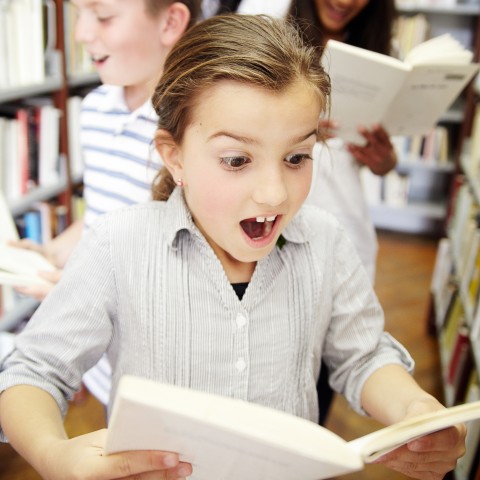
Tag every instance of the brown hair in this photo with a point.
(251, 49)
(371, 29)
(154, 7)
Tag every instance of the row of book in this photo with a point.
(29, 147)
(433, 3)
(432, 148)
(455, 291)
(27, 43)
(23, 42)
(472, 157)
(409, 31)
(409, 184)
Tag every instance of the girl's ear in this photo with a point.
(169, 152)
(175, 20)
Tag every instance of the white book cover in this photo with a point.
(230, 439)
(407, 97)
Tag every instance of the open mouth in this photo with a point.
(258, 227)
(98, 59)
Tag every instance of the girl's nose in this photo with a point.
(270, 188)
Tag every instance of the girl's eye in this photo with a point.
(235, 163)
(297, 159)
(104, 19)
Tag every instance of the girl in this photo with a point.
(226, 283)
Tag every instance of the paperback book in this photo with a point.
(225, 438)
(407, 97)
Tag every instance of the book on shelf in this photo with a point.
(226, 438)
(466, 463)
(407, 97)
(460, 364)
(410, 30)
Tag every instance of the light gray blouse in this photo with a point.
(145, 287)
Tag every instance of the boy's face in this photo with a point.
(247, 167)
(122, 39)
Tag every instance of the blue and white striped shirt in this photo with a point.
(145, 287)
(117, 144)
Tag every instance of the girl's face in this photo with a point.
(246, 164)
(335, 15)
(123, 40)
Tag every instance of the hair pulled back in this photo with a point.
(250, 49)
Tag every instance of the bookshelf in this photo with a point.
(52, 74)
(456, 288)
(421, 186)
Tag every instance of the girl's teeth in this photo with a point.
(268, 219)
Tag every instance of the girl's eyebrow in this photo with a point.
(252, 141)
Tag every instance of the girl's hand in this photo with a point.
(84, 457)
(429, 457)
(378, 153)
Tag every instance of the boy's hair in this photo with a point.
(371, 29)
(154, 6)
(251, 49)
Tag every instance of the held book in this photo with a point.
(225, 438)
(407, 97)
(19, 267)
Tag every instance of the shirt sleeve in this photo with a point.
(72, 327)
(356, 344)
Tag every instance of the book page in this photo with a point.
(224, 438)
(427, 93)
(23, 261)
(363, 85)
(376, 444)
(444, 49)
(19, 280)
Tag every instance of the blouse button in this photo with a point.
(240, 365)
(241, 320)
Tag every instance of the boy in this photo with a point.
(128, 41)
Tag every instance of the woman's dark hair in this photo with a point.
(370, 29)
(228, 6)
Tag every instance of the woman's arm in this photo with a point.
(390, 394)
(31, 420)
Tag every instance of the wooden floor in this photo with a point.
(404, 270)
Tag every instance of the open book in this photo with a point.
(225, 438)
(407, 97)
(18, 266)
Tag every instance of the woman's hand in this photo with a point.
(429, 457)
(378, 153)
(84, 457)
